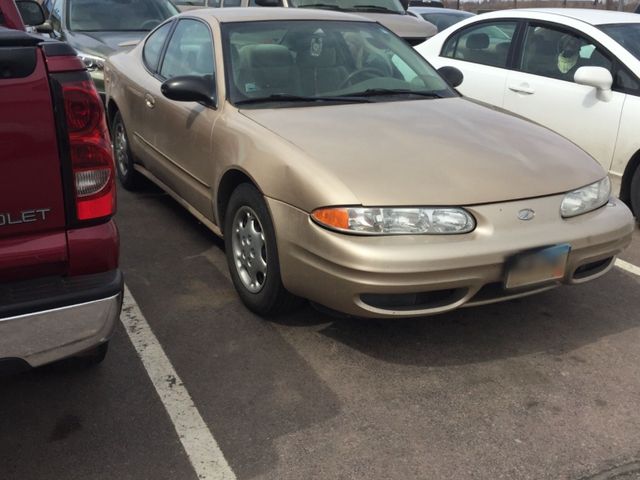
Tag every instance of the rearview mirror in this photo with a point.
(268, 3)
(190, 88)
(31, 12)
(452, 75)
(597, 77)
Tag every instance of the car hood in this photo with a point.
(431, 152)
(102, 44)
(405, 26)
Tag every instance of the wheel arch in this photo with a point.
(112, 109)
(230, 180)
(627, 176)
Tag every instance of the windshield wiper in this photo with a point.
(379, 92)
(374, 8)
(282, 97)
(327, 6)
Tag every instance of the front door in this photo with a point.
(543, 90)
(183, 129)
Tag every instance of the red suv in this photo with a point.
(60, 286)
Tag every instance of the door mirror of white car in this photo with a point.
(451, 75)
(597, 77)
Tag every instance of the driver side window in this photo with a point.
(558, 53)
(190, 51)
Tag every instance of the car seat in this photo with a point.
(320, 73)
(266, 69)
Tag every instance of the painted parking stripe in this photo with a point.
(198, 442)
(629, 267)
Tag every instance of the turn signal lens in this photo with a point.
(333, 217)
(396, 221)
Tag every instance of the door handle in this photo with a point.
(149, 101)
(524, 88)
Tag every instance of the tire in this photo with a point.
(94, 356)
(129, 178)
(635, 193)
(252, 254)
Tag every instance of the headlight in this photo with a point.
(586, 199)
(92, 62)
(395, 221)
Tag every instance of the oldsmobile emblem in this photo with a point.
(526, 214)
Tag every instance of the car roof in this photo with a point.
(258, 14)
(438, 10)
(586, 15)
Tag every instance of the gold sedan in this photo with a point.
(342, 168)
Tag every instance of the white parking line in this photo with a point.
(201, 448)
(629, 267)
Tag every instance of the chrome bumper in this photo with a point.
(43, 337)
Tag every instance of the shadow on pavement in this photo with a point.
(554, 322)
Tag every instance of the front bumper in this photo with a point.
(362, 276)
(62, 318)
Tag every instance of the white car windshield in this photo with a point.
(324, 61)
(626, 34)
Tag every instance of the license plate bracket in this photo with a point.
(538, 266)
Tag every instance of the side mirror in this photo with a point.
(268, 3)
(597, 77)
(46, 27)
(190, 88)
(451, 75)
(31, 12)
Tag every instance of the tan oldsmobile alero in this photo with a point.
(341, 168)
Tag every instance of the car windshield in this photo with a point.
(445, 20)
(626, 34)
(376, 6)
(118, 15)
(313, 62)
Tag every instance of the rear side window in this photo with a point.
(153, 47)
(487, 44)
(231, 3)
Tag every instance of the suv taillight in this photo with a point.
(90, 151)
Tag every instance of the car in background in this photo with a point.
(390, 13)
(441, 17)
(60, 285)
(341, 167)
(574, 71)
(98, 28)
(426, 3)
(186, 5)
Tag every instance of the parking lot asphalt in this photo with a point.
(546, 387)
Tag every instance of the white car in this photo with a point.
(575, 71)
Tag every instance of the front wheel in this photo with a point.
(252, 254)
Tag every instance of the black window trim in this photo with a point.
(153, 72)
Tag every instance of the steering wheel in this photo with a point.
(370, 72)
(149, 25)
